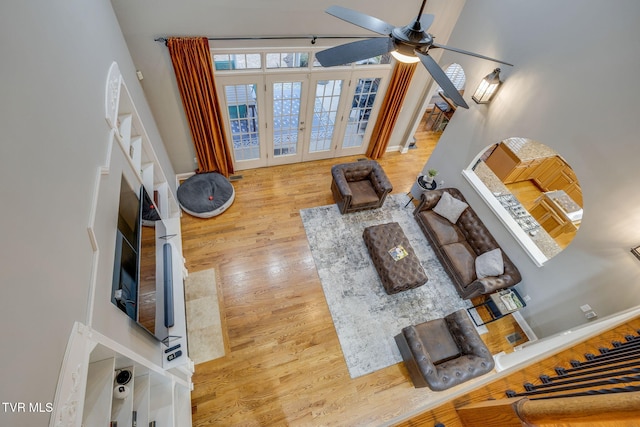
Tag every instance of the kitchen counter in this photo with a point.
(570, 209)
(527, 149)
(541, 238)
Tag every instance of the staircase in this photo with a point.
(614, 369)
(603, 389)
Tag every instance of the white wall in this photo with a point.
(574, 87)
(55, 58)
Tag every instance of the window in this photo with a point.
(456, 75)
(288, 60)
(376, 60)
(237, 61)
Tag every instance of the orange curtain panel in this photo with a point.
(192, 64)
(390, 110)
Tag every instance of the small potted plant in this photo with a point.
(431, 174)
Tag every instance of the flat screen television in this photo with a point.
(136, 288)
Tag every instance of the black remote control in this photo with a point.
(174, 355)
(175, 347)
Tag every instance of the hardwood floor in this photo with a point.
(284, 364)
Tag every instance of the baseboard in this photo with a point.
(531, 336)
(182, 177)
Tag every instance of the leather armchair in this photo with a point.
(443, 353)
(359, 185)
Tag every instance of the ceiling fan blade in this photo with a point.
(441, 78)
(361, 20)
(355, 51)
(425, 21)
(454, 49)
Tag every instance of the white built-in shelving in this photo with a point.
(158, 391)
(155, 394)
(134, 141)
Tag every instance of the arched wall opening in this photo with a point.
(533, 191)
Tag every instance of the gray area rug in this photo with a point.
(365, 317)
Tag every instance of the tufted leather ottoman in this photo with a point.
(398, 273)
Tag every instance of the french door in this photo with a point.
(286, 96)
(323, 123)
(292, 117)
(242, 102)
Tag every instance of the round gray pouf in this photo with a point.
(206, 195)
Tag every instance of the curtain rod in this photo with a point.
(312, 37)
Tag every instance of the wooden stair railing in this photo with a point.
(614, 370)
(617, 409)
(603, 388)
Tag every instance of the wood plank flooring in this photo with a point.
(284, 364)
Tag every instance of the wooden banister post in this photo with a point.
(491, 413)
(604, 407)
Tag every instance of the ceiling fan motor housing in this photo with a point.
(407, 39)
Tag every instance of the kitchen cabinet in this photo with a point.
(556, 174)
(502, 161)
(566, 180)
(548, 211)
(549, 172)
(531, 170)
(547, 217)
(575, 192)
(518, 173)
(510, 168)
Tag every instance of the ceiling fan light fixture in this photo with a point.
(407, 59)
(407, 44)
(487, 87)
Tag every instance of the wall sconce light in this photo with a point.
(636, 251)
(487, 87)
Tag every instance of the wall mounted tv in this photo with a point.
(137, 288)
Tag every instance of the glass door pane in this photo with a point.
(243, 121)
(286, 117)
(362, 105)
(325, 113)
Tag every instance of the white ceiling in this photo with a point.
(255, 18)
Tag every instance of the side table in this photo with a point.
(422, 183)
(499, 304)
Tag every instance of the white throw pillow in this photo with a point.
(490, 264)
(450, 207)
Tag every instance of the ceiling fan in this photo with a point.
(410, 43)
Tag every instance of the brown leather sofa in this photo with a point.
(443, 353)
(359, 185)
(457, 246)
